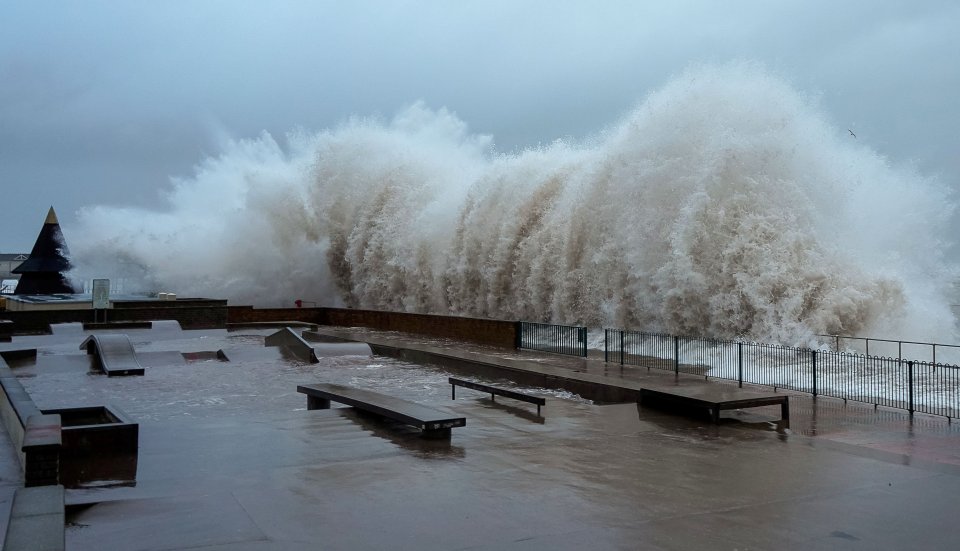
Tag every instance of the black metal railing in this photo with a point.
(916, 386)
(903, 350)
(560, 339)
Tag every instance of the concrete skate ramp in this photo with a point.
(114, 354)
(326, 345)
(71, 328)
(169, 326)
(342, 349)
(295, 344)
(287, 339)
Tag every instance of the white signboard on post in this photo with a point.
(101, 294)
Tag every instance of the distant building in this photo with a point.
(10, 261)
(43, 272)
(8, 279)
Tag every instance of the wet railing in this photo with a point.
(902, 350)
(913, 385)
(560, 339)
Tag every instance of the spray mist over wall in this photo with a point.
(723, 205)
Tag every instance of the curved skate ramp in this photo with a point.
(169, 326)
(114, 354)
(69, 328)
(290, 341)
(342, 349)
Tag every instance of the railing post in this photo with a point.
(583, 330)
(838, 343)
(676, 355)
(813, 354)
(910, 385)
(621, 347)
(606, 345)
(518, 335)
(740, 364)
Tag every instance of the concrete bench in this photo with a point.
(433, 423)
(715, 398)
(495, 391)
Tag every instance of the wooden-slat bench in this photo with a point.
(433, 423)
(496, 391)
(716, 398)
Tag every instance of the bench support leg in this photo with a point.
(716, 415)
(436, 434)
(785, 412)
(314, 402)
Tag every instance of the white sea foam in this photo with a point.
(723, 205)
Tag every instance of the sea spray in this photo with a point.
(723, 205)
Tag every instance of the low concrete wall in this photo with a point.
(69, 446)
(37, 520)
(15, 408)
(35, 436)
(99, 443)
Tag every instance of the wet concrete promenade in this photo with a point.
(231, 459)
(879, 431)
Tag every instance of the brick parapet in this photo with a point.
(478, 330)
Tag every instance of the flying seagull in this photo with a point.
(852, 134)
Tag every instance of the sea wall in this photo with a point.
(476, 330)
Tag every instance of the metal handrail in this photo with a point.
(544, 337)
(913, 385)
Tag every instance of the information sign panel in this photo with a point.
(101, 294)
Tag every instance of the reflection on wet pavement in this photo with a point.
(231, 459)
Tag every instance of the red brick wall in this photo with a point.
(39, 321)
(249, 314)
(212, 314)
(190, 317)
(482, 331)
(192, 314)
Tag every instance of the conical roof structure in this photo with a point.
(42, 273)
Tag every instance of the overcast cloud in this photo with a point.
(102, 102)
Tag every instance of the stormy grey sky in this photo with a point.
(101, 102)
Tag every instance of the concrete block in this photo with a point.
(36, 520)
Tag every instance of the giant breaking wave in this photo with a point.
(723, 205)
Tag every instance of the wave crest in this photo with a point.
(723, 205)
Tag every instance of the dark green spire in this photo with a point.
(43, 272)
